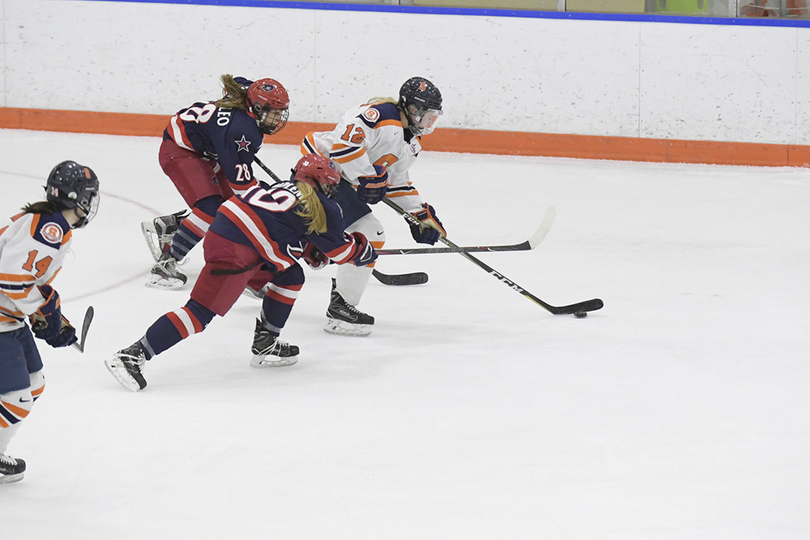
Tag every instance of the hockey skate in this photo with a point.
(127, 367)
(165, 274)
(269, 351)
(158, 233)
(344, 319)
(11, 469)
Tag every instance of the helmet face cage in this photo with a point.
(74, 186)
(89, 208)
(319, 172)
(421, 102)
(268, 102)
(422, 121)
(270, 121)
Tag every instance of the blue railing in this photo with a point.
(487, 12)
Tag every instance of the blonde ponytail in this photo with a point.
(235, 94)
(311, 209)
(377, 100)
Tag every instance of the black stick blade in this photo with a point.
(415, 278)
(579, 307)
(88, 318)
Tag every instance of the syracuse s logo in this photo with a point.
(52, 233)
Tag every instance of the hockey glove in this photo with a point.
(372, 188)
(315, 257)
(65, 337)
(365, 251)
(47, 320)
(431, 228)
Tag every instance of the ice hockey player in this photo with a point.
(33, 245)
(374, 145)
(207, 152)
(257, 238)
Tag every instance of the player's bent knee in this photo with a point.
(200, 312)
(371, 227)
(37, 384)
(15, 406)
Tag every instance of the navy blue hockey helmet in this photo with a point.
(73, 186)
(421, 102)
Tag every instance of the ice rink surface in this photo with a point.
(679, 411)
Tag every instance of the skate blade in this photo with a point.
(117, 370)
(272, 361)
(151, 237)
(170, 284)
(153, 242)
(10, 478)
(343, 328)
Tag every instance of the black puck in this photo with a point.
(580, 314)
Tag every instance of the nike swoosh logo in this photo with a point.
(25, 400)
(380, 233)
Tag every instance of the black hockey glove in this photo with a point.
(47, 320)
(431, 228)
(65, 337)
(372, 188)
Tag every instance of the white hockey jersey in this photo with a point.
(32, 249)
(368, 135)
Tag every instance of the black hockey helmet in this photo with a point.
(73, 186)
(421, 102)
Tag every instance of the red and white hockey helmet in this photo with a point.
(269, 103)
(319, 172)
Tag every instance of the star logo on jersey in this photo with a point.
(242, 144)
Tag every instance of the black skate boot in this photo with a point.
(269, 351)
(158, 233)
(344, 319)
(11, 469)
(127, 367)
(165, 274)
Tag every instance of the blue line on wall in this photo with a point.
(728, 21)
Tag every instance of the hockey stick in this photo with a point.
(88, 318)
(531, 243)
(266, 169)
(38, 322)
(580, 309)
(415, 278)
